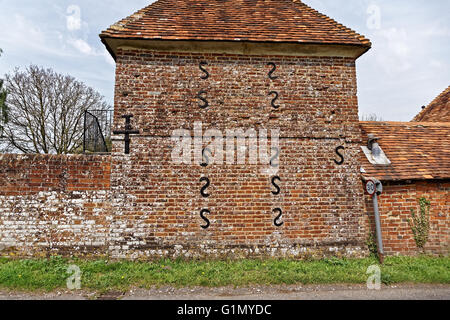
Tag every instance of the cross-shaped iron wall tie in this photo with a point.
(127, 132)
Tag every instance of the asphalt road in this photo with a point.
(324, 292)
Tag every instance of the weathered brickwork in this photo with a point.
(31, 174)
(54, 205)
(157, 203)
(395, 206)
(317, 96)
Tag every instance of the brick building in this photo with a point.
(160, 52)
(419, 152)
(190, 71)
(419, 167)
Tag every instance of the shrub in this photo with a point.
(420, 223)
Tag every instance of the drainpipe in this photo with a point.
(378, 190)
(378, 221)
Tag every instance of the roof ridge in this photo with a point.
(120, 25)
(407, 123)
(443, 93)
(431, 105)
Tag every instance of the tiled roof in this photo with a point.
(234, 20)
(438, 110)
(417, 150)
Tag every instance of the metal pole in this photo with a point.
(378, 227)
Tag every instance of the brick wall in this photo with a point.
(157, 203)
(54, 204)
(395, 206)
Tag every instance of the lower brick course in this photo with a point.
(75, 206)
(157, 204)
(54, 205)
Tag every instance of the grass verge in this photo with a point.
(101, 275)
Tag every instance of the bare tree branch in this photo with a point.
(45, 111)
(3, 105)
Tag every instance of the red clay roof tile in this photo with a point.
(234, 20)
(417, 150)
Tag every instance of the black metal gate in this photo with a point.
(97, 131)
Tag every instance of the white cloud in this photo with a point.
(21, 30)
(396, 39)
(108, 58)
(392, 50)
(435, 32)
(22, 36)
(436, 64)
(82, 46)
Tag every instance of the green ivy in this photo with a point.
(420, 223)
(372, 244)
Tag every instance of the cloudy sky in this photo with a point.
(407, 67)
